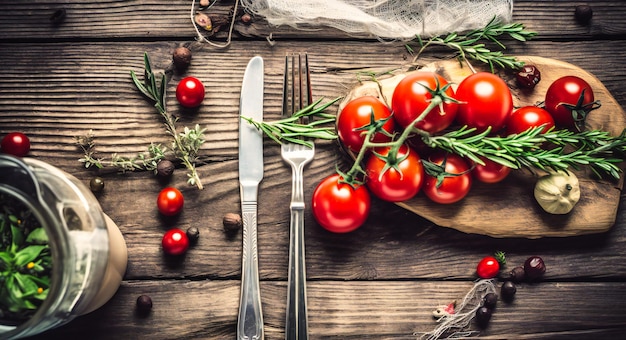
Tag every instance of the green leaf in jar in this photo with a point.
(38, 236)
(28, 254)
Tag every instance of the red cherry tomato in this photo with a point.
(357, 114)
(490, 172)
(488, 267)
(562, 99)
(190, 92)
(453, 188)
(527, 117)
(16, 144)
(412, 96)
(339, 207)
(175, 242)
(487, 101)
(170, 201)
(398, 183)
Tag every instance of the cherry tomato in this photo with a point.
(175, 242)
(453, 188)
(170, 201)
(357, 114)
(491, 172)
(487, 101)
(16, 144)
(397, 183)
(190, 92)
(339, 207)
(488, 267)
(562, 101)
(527, 117)
(412, 96)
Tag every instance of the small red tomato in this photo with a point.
(490, 172)
(488, 267)
(175, 242)
(16, 144)
(339, 207)
(190, 92)
(527, 117)
(170, 201)
(357, 114)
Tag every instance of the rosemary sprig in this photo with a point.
(472, 45)
(290, 129)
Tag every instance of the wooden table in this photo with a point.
(380, 282)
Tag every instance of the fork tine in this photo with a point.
(309, 91)
(285, 87)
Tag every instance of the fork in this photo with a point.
(296, 155)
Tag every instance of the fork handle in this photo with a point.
(297, 323)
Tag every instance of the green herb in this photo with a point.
(185, 145)
(25, 261)
(472, 45)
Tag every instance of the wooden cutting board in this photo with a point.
(508, 208)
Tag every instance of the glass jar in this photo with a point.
(88, 251)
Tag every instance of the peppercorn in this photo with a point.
(483, 315)
(518, 274)
(528, 76)
(193, 234)
(508, 290)
(534, 267)
(144, 304)
(490, 300)
(181, 57)
(165, 168)
(96, 184)
(232, 222)
(583, 14)
(58, 16)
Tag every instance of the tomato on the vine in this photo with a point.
(569, 99)
(412, 96)
(490, 172)
(356, 115)
(340, 207)
(190, 92)
(527, 117)
(455, 182)
(170, 201)
(175, 242)
(16, 144)
(486, 101)
(398, 182)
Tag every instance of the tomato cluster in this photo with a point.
(393, 163)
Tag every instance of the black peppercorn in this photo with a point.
(144, 304)
(583, 14)
(165, 168)
(193, 234)
(483, 315)
(508, 290)
(181, 57)
(490, 300)
(96, 184)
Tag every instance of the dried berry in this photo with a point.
(144, 304)
(96, 184)
(534, 267)
(165, 168)
(518, 274)
(483, 315)
(193, 234)
(583, 14)
(490, 300)
(232, 222)
(181, 57)
(508, 290)
(528, 76)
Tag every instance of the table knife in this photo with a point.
(250, 319)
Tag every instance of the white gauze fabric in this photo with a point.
(388, 19)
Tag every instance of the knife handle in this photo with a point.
(250, 320)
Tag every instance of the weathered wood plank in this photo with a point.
(351, 310)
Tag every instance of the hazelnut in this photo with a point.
(232, 222)
(165, 168)
(182, 57)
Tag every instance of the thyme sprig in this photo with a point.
(472, 45)
(185, 145)
(291, 129)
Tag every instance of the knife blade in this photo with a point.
(250, 319)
